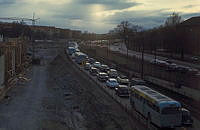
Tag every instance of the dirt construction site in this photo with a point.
(55, 95)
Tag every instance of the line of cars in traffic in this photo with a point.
(170, 66)
(109, 76)
(146, 101)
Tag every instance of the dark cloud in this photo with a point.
(147, 19)
(7, 2)
(74, 11)
(63, 15)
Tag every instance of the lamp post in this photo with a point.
(142, 70)
(127, 45)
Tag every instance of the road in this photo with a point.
(56, 96)
(149, 57)
(126, 104)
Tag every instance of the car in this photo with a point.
(101, 76)
(182, 69)
(186, 117)
(112, 83)
(97, 64)
(171, 67)
(154, 61)
(160, 63)
(75, 53)
(87, 66)
(168, 61)
(193, 71)
(137, 81)
(195, 59)
(104, 68)
(112, 73)
(94, 71)
(123, 80)
(122, 91)
(91, 60)
(77, 50)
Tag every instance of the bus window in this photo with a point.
(153, 106)
(170, 110)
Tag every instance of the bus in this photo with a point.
(158, 109)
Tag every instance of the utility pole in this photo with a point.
(155, 53)
(142, 73)
(107, 47)
(127, 45)
(109, 42)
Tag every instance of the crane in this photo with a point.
(21, 19)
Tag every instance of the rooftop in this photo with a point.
(152, 94)
(194, 21)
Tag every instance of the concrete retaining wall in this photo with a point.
(186, 91)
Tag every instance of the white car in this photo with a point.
(97, 65)
(87, 66)
(112, 73)
(123, 80)
(112, 83)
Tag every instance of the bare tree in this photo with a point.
(173, 19)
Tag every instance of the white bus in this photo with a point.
(158, 109)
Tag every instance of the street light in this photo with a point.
(127, 45)
(142, 73)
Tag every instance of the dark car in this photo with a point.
(195, 59)
(182, 69)
(94, 71)
(102, 76)
(168, 61)
(91, 60)
(137, 81)
(122, 91)
(104, 68)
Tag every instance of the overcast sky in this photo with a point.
(98, 16)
